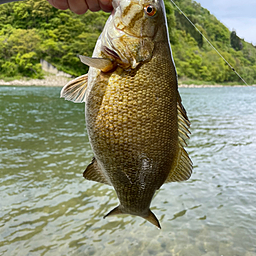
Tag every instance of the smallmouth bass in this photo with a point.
(135, 120)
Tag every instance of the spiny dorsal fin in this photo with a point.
(75, 90)
(103, 64)
(183, 123)
(93, 172)
(182, 114)
(184, 166)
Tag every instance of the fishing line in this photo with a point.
(207, 41)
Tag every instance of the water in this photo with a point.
(47, 208)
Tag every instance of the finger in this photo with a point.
(106, 5)
(93, 5)
(78, 6)
(59, 4)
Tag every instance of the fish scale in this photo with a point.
(136, 123)
(126, 140)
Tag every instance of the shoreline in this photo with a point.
(60, 81)
(51, 81)
(212, 86)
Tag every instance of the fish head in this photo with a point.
(132, 30)
(138, 18)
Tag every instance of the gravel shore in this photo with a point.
(61, 81)
(47, 81)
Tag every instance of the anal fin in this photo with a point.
(93, 172)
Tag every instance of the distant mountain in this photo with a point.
(33, 30)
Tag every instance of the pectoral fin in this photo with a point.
(94, 172)
(75, 89)
(103, 64)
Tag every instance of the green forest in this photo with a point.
(34, 30)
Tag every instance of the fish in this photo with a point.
(136, 123)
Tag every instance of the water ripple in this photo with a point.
(47, 208)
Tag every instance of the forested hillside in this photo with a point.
(33, 30)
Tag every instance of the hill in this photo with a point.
(33, 30)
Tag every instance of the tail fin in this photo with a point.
(151, 216)
(153, 219)
(113, 212)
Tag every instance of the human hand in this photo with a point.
(82, 6)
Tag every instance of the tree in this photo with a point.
(235, 41)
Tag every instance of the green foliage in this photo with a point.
(171, 21)
(194, 57)
(235, 41)
(19, 52)
(34, 30)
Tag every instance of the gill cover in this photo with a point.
(130, 32)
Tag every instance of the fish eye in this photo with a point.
(150, 10)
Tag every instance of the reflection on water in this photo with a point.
(47, 208)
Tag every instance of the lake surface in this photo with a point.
(48, 208)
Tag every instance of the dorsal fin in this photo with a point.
(183, 123)
(183, 169)
(75, 90)
(94, 172)
(184, 165)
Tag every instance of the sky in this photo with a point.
(239, 15)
